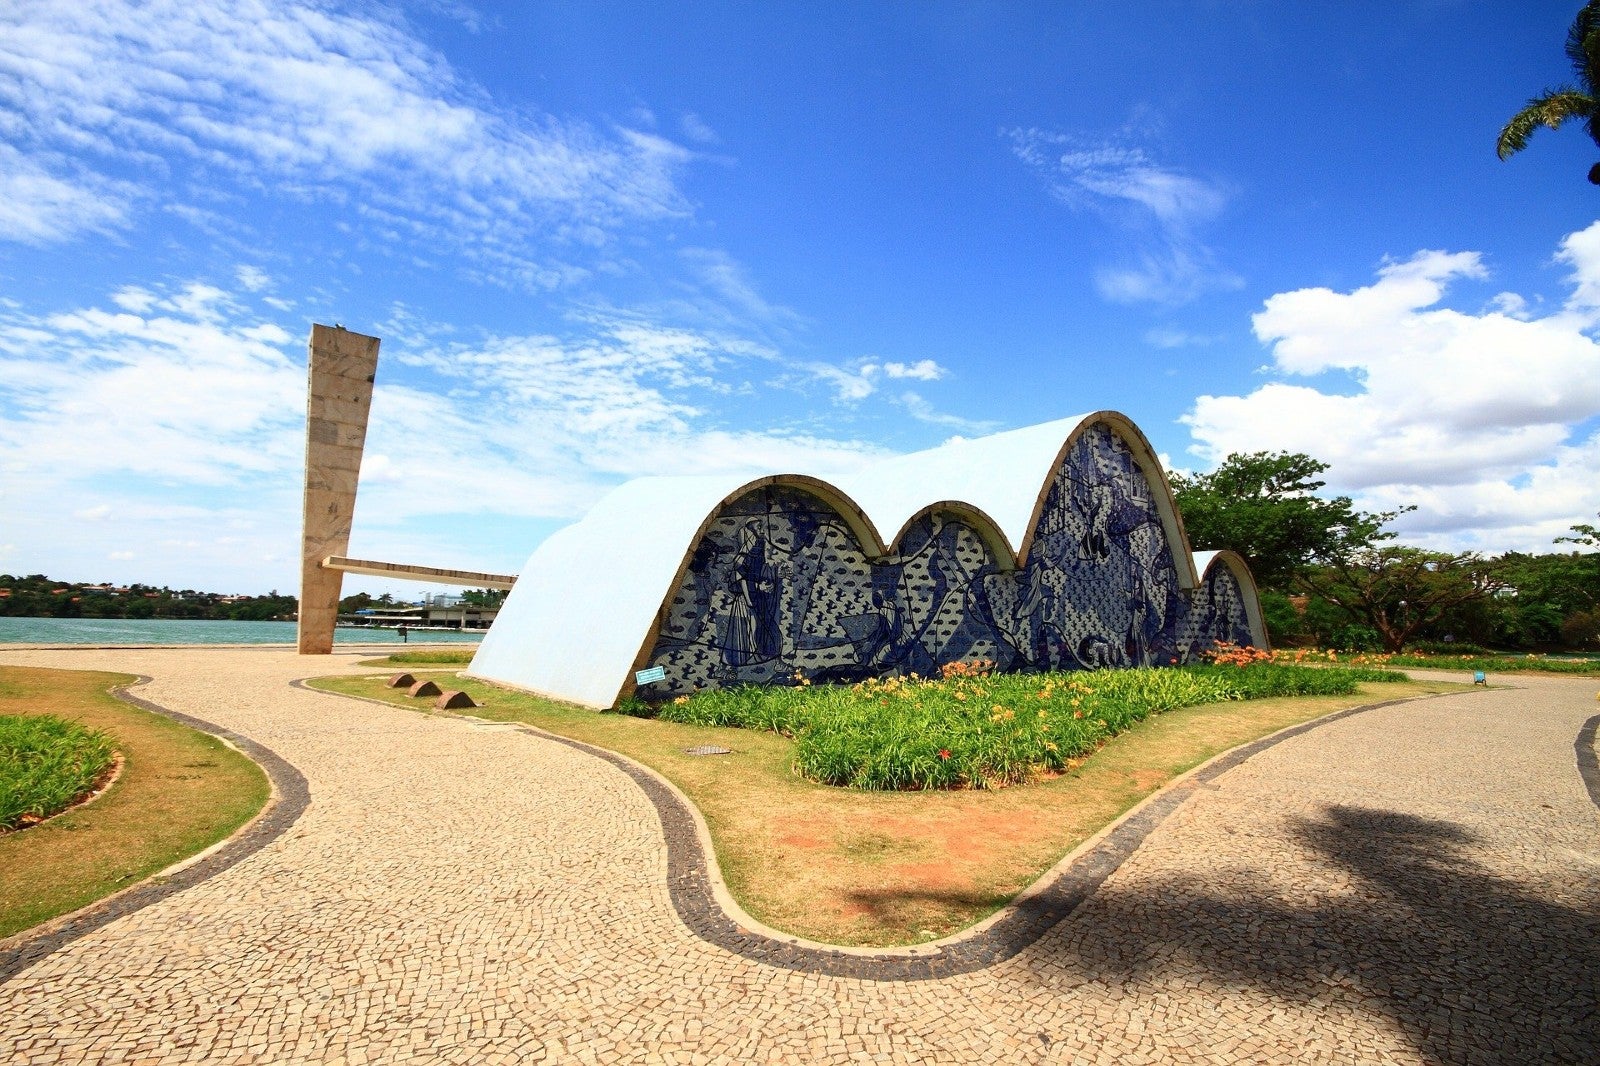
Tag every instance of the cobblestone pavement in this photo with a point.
(1416, 883)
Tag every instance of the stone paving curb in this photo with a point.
(289, 799)
(706, 908)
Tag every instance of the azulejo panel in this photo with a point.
(779, 588)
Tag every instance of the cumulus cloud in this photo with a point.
(1158, 210)
(313, 101)
(170, 419)
(1478, 417)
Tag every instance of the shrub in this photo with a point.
(972, 729)
(1581, 629)
(46, 764)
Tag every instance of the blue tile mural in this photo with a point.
(778, 585)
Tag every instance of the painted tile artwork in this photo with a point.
(778, 585)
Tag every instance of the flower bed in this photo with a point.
(973, 729)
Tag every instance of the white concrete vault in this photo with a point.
(617, 591)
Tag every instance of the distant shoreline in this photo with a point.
(15, 629)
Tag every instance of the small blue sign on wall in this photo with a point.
(646, 677)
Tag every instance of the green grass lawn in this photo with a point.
(180, 791)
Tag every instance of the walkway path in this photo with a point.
(1417, 883)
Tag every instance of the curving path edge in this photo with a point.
(288, 800)
(691, 867)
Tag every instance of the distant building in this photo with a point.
(427, 616)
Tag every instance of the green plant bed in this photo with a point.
(440, 657)
(46, 765)
(1498, 664)
(969, 731)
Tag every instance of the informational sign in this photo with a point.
(650, 676)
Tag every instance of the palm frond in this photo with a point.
(1583, 45)
(1551, 109)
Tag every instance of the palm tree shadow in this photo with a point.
(1472, 967)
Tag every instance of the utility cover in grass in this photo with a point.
(708, 749)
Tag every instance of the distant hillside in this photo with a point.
(37, 596)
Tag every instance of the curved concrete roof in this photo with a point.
(584, 607)
(1232, 560)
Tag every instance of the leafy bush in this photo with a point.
(45, 764)
(971, 730)
(1581, 629)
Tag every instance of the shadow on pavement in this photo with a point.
(1472, 967)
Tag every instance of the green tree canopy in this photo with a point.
(1400, 591)
(1263, 506)
(1554, 107)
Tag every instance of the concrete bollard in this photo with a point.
(454, 700)
(423, 688)
(401, 681)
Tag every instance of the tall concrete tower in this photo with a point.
(338, 400)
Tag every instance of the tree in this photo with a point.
(1400, 591)
(483, 597)
(1587, 533)
(1554, 107)
(1262, 505)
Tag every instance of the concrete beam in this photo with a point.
(467, 578)
(340, 373)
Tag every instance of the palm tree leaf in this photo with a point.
(1552, 108)
(1583, 45)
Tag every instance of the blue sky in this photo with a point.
(604, 241)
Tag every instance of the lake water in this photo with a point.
(175, 631)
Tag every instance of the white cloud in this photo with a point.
(921, 370)
(696, 129)
(1156, 208)
(252, 279)
(923, 411)
(1163, 337)
(39, 207)
(120, 556)
(1479, 418)
(855, 383)
(851, 386)
(729, 283)
(312, 100)
(169, 422)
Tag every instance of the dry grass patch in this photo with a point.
(180, 791)
(887, 868)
